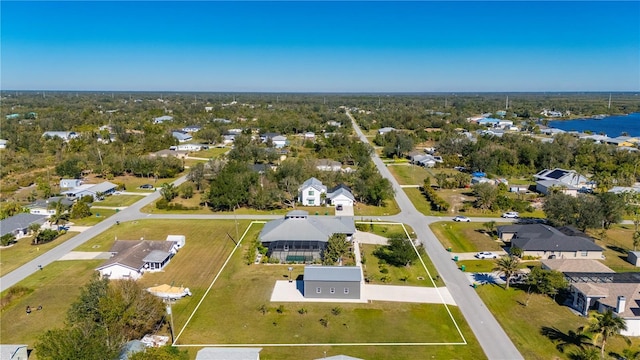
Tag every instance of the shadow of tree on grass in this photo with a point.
(562, 340)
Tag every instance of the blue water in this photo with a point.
(612, 126)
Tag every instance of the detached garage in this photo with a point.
(340, 195)
(332, 282)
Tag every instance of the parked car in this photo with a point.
(460, 218)
(146, 186)
(511, 215)
(486, 255)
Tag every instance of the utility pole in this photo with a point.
(170, 319)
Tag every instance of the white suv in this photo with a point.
(511, 215)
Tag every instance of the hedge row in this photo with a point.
(437, 203)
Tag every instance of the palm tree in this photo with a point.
(636, 240)
(490, 227)
(509, 266)
(604, 326)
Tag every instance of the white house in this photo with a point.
(385, 130)
(18, 224)
(191, 128)
(3, 144)
(64, 135)
(566, 181)
(188, 147)
(48, 207)
(328, 165)
(104, 188)
(181, 136)
(132, 258)
(70, 183)
(309, 136)
(161, 119)
(279, 141)
(340, 195)
(310, 191)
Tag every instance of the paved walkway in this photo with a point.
(285, 291)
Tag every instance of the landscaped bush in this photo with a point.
(437, 203)
(14, 293)
(46, 236)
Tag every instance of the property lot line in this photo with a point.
(434, 284)
(464, 341)
(215, 279)
(319, 344)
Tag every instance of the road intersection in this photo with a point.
(492, 338)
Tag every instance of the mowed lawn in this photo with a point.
(414, 275)
(409, 174)
(464, 237)
(118, 200)
(22, 252)
(616, 244)
(55, 288)
(97, 215)
(231, 314)
(523, 324)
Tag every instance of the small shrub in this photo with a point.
(14, 293)
(280, 309)
(384, 270)
(302, 311)
(336, 310)
(263, 309)
(324, 322)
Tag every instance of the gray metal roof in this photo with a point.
(314, 183)
(156, 256)
(309, 228)
(102, 187)
(341, 191)
(19, 222)
(332, 273)
(7, 351)
(214, 353)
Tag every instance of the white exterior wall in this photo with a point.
(117, 271)
(310, 200)
(633, 327)
(41, 211)
(341, 200)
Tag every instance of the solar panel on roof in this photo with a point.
(557, 174)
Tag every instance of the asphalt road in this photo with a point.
(494, 341)
(492, 338)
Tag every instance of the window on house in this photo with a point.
(311, 201)
(310, 192)
(318, 290)
(332, 290)
(584, 253)
(346, 290)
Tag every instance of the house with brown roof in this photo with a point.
(132, 258)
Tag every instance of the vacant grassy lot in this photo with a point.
(409, 174)
(616, 242)
(97, 215)
(243, 289)
(212, 152)
(22, 252)
(420, 202)
(390, 208)
(524, 323)
(414, 275)
(488, 265)
(119, 200)
(464, 237)
(55, 288)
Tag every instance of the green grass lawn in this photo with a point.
(132, 183)
(414, 275)
(464, 237)
(616, 242)
(243, 289)
(488, 265)
(524, 323)
(55, 288)
(212, 152)
(97, 215)
(409, 174)
(22, 252)
(118, 200)
(419, 201)
(390, 208)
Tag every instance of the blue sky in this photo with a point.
(332, 46)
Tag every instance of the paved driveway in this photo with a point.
(285, 291)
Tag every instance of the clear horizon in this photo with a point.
(321, 47)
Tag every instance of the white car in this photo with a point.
(511, 215)
(460, 218)
(486, 255)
